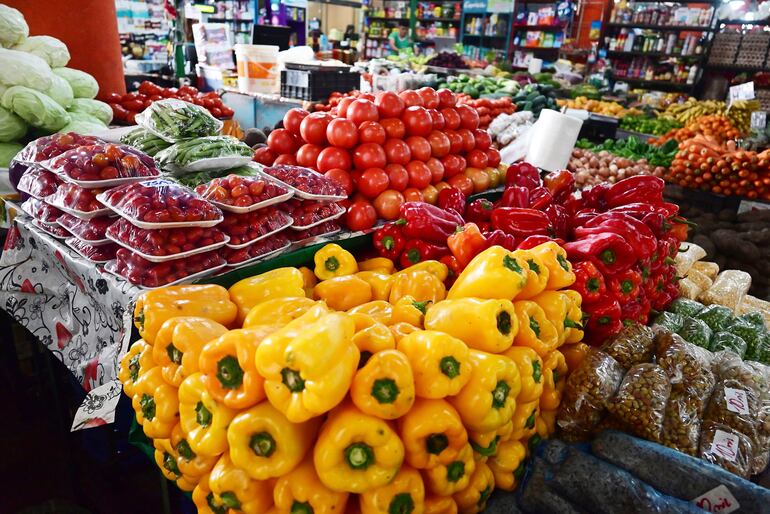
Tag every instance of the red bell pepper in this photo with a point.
(603, 320)
(479, 210)
(537, 240)
(589, 282)
(574, 203)
(466, 243)
(451, 198)
(595, 197)
(560, 220)
(583, 216)
(539, 198)
(416, 250)
(636, 233)
(609, 252)
(500, 238)
(523, 174)
(389, 241)
(635, 312)
(560, 184)
(639, 188)
(638, 210)
(515, 196)
(424, 221)
(521, 222)
(625, 286)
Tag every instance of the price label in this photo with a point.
(719, 499)
(741, 92)
(736, 400)
(725, 445)
(297, 78)
(758, 120)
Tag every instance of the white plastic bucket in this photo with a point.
(257, 68)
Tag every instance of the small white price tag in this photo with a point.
(296, 78)
(719, 499)
(741, 92)
(736, 400)
(725, 445)
(758, 120)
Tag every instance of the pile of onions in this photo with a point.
(591, 168)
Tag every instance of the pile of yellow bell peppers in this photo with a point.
(352, 387)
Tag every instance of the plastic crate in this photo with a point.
(316, 83)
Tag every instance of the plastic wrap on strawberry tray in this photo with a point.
(307, 184)
(52, 229)
(98, 254)
(164, 244)
(102, 165)
(204, 153)
(308, 214)
(41, 210)
(263, 248)
(38, 182)
(144, 273)
(315, 234)
(91, 231)
(78, 201)
(239, 194)
(174, 120)
(145, 141)
(161, 203)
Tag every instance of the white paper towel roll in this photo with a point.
(535, 65)
(553, 138)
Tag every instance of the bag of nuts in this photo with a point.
(588, 391)
(682, 361)
(682, 420)
(641, 400)
(727, 365)
(726, 447)
(632, 345)
(736, 406)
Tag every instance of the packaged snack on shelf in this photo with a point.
(98, 254)
(52, 229)
(306, 215)
(173, 120)
(104, 165)
(315, 234)
(44, 148)
(245, 229)
(727, 448)
(41, 210)
(307, 184)
(728, 289)
(145, 141)
(204, 153)
(91, 231)
(161, 203)
(160, 245)
(632, 345)
(241, 194)
(142, 272)
(640, 402)
(257, 251)
(78, 201)
(38, 182)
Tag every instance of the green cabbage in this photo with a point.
(11, 126)
(61, 91)
(85, 117)
(7, 152)
(48, 48)
(83, 127)
(35, 108)
(23, 69)
(83, 84)
(95, 108)
(13, 27)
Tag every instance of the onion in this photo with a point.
(613, 168)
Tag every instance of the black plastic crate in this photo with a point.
(316, 84)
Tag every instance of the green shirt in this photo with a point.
(398, 43)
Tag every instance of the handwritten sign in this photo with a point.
(725, 445)
(719, 499)
(741, 92)
(736, 400)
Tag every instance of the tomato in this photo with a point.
(417, 121)
(342, 178)
(411, 98)
(394, 128)
(477, 159)
(119, 112)
(397, 151)
(188, 90)
(451, 118)
(430, 194)
(342, 133)
(288, 159)
(437, 118)
(493, 158)
(307, 155)
(446, 98)
(480, 179)
(342, 107)
(429, 97)
(483, 141)
(439, 143)
(372, 182)
(389, 104)
(462, 183)
(333, 157)
(313, 128)
(362, 110)
(360, 216)
(281, 141)
(399, 178)
(113, 98)
(436, 170)
(455, 141)
(419, 174)
(293, 118)
(469, 142)
(388, 203)
(371, 132)
(441, 186)
(367, 96)
(419, 148)
(469, 117)
(264, 156)
(413, 194)
(369, 155)
(133, 105)
(451, 165)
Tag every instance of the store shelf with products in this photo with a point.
(144, 34)
(486, 34)
(540, 29)
(738, 49)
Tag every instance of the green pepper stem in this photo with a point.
(147, 404)
(262, 444)
(500, 394)
(533, 266)
(486, 451)
(332, 264)
(436, 443)
(202, 415)
(229, 372)
(402, 503)
(455, 471)
(292, 380)
(174, 354)
(504, 324)
(512, 264)
(534, 326)
(385, 390)
(449, 366)
(608, 256)
(359, 456)
(301, 508)
(184, 450)
(230, 500)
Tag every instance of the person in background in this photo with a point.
(399, 39)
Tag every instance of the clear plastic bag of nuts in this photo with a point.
(729, 365)
(736, 406)
(588, 391)
(641, 400)
(682, 420)
(682, 361)
(726, 447)
(632, 345)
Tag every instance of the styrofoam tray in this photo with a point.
(171, 224)
(260, 238)
(110, 267)
(164, 258)
(302, 194)
(81, 214)
(71, 247)
(98, 184)
(316, 223)
(259, 257)
(257, 206)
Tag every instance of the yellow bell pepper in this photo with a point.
(401, 330)
(537, 275)
(574, 354)
(535, 330)
(356, 452)
(488, 399)
(203, 419)
(485, 444)
(575, 316)
(530, 370)
(278, 311)
(275, 283)
(486, 325)
(494, 273)
(473, 498)
(230, 370)
(134, 364)
(166, 459)
(379, 264)
(508, 465)
(433, 434)
(524, 420)
(334, 261)
(436, 268)
(208, 301)
(343, 293)
(379, 310)
(556, 307)
(308, 367)
(202, 495)
(301, 492)
(371, 337)
(408, 310)
(554, 380)
(447, 479)
(156, 404)
(381, 283)
(384, 387)
(440, 363)
(440, 505)
(422, 285)
(560, 274)
(189, 462)
(309, 280)
(178, 345)
(546, 422)
(265, 444)
(405, 494)
(233, 489)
